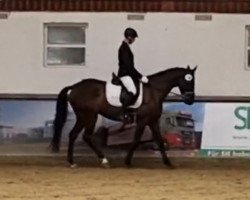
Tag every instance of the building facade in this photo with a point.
(48, 44)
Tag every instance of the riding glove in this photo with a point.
(144, 79)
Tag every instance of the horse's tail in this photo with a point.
(60, 118)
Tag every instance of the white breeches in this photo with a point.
(129, 84)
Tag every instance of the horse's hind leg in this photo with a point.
(90, 121)
(72, 137)
(158, 139)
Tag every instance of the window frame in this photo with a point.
(46, 45)
(247, 47)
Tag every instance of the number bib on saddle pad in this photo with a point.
(113, 93)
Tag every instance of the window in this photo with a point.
(168, 121)
(65, 44)
(185, 122)
(247, 59)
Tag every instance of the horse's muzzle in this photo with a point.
(189, 98)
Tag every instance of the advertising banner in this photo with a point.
(202, 129)
(26, 128)
(226, 130)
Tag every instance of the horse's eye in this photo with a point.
(188, 77)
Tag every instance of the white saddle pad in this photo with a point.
(113, 93)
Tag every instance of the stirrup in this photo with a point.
(128, 119)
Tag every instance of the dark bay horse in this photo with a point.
(87, 99)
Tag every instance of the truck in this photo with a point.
(177, 131)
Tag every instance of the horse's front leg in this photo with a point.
(137, 138)
(155, 128)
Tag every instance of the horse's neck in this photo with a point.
(164, 82)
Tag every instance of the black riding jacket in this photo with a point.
(126, 62)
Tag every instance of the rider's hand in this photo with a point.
(144, 79)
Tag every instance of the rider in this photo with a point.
(127, 69)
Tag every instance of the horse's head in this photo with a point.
(186, 85)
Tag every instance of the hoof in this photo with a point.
(73, 166)
(170, 166)
(128, 165)
(105, 163)
(106, 166)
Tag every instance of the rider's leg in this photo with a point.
(128, 95)
(126, 102)
(129, 84)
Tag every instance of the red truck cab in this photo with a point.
(178, 130)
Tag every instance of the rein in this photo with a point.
(181, 95)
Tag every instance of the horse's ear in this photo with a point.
(188, 67)
(195, 68)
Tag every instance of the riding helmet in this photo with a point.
(130, 32)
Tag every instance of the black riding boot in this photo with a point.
(126, 100)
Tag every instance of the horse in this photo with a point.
(87, 99)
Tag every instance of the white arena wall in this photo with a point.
(165, 40)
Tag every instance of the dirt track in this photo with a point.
(49, 178)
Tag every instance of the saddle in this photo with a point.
(120, 90)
